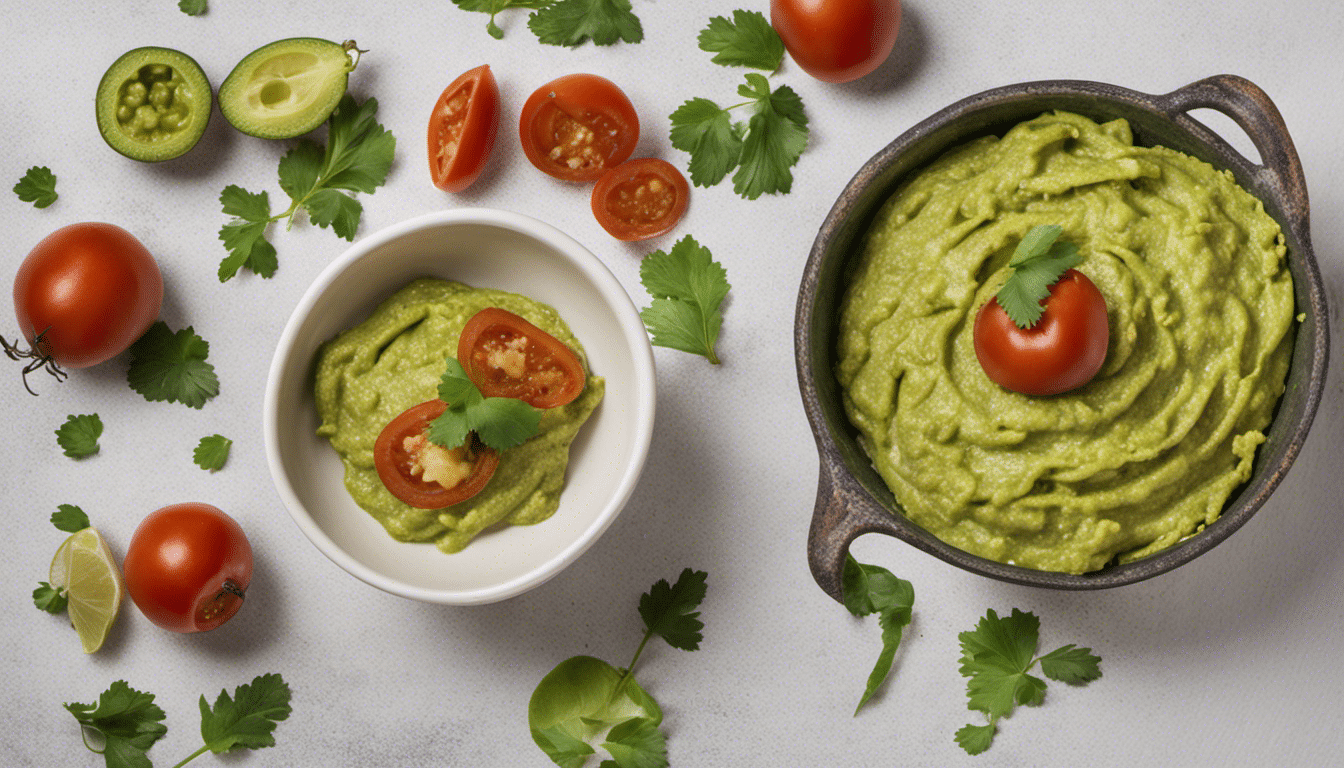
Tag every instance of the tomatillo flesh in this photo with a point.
(153, 104)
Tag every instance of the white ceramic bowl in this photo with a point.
(486, 249)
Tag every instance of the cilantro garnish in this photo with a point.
(212, 452)
(570, 22)
(356, 158)
(687, 287)
(171, 366)
(38, 186)
(78, 436)
(69, 518)
(997, 655)
(50, 599)
(872, 589)
(585, 699)
(747, 40)
(247, 720)
(493, 7)
(192, 7)
(500, 422)
(129, 722)
(1037, 263)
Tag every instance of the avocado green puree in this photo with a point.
(1200, 308)
(369, 374)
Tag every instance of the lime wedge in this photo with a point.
(84, 568)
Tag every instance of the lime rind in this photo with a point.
(287, 88)
(84, 567)
(153, 104)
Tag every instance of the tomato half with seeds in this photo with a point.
(1064, 349)
(837, 40)
(504, 355)
(426, 475)
(462, 129)
(640, 198)
(577, 126)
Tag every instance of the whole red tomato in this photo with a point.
(188, 566)
(462, 129)
(837, 40)
(577, 126)
(84, 294)
(1062, 351)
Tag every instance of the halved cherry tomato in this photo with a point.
(462, 129)
(640, 198)
(425, 475)
(1062, 351)
(837, 40)
(506, 356)
(577, 126)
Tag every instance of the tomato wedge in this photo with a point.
(640, 198)
(425, 475)
(506, 356)
(577, 126)
(462, 129)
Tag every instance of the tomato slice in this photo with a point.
(577, 126)
(408, 463)
(640, 198)
(506, 356)
(462, 129)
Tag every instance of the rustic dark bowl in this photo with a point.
(852, 499)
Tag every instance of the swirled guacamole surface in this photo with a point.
(370, 373)
(1200, 307)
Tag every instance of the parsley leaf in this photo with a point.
(872, 589)
(249, 718)
(317, 179)
(747, 40)
(500, 422)
(1037, 263)
(69, 518)
(570, 22)
(687, 287)
(38, 186)
(78, 436)
(997, 657)
(669, 611)
(50, 599)
(493, 7)
(171, 366)
(707, 132)
(212, 452)
(128, 720)
(192, 7)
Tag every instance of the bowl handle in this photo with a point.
(843, 512)
(1253, 111)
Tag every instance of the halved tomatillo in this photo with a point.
(153, 104)
(287, 88)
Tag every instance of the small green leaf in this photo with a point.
(212, 452)
(192, 7)
(1072, 665)
(171, 366)
(500, 422)
(637, 743)
(69, 518)
(78, 436)
(38, 186)
(976, 738)
(571, 22)
(248, 719)
(872, 589)
(578, 700)
(669, 610)
(747, 40)
(1036, 264)
(49, 598)
(688, 287)
(703, 129)
(128, 720)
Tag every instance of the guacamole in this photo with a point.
(369, 374)
(1200, 308)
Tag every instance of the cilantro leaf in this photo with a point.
(69, 518)
(747, 40)
(128, 720)
(192, 7)
(493, 7)
(687, 287)
(975, 738)
(50, 599)
(38, 186)
(669, 611)
(1037, 263)
(247, 720)
(78, 436)
(500, 422)
(776, 137)
(637, 743)
(872, 589)
(1072, 665)
(245, 235)
(706, 131)
(171, 366)
(570, 22)
(212, 452)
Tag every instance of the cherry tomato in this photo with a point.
(462, 129)
(188, 566)
(83, 295)
(641, 198)
(506, 356)
(1062, 351)
(837, 40)
(414, 469)
(577, 126)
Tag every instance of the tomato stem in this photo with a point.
(35, 357)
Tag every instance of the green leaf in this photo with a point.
(747, 40)
(500, 422)
(128, 720)
(300, 168)
(50, 599)
(570, 22)
(580, 699)
(1037, 263)
(637, 743)
(493, 7)
(78, 436)
(37, 186)
(244, 236)
(872, 589)
(1072, 665)
(248, 719)
(669, 611)
(359, 150)
(775, 139)
(564, 748)
(69, 518)
(976, 738)
(688, 287)
(703, 129)
(171, 366)
(212, 452)
(192, 7)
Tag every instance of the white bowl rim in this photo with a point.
(635, 337)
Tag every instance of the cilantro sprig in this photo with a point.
(870, 589)
(567, 23)
(318, 180)
(171, 366)
(1038, 262)
(997, 656)
(688, 287)
(746, 40)
(500, 422)
(584, 699)
(212, 452)
(37, 186)
(78, 436)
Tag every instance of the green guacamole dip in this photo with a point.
(1200, 307)
(369, 374)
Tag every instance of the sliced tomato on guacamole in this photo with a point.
(504, 355)
(426, 475)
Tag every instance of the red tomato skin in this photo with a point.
(393, 464)
(837, 40)
(178, 563)
(607, 204)
(490, 326)
(90, 289)
(1064, 349)
(586, 99)
(478, 124)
